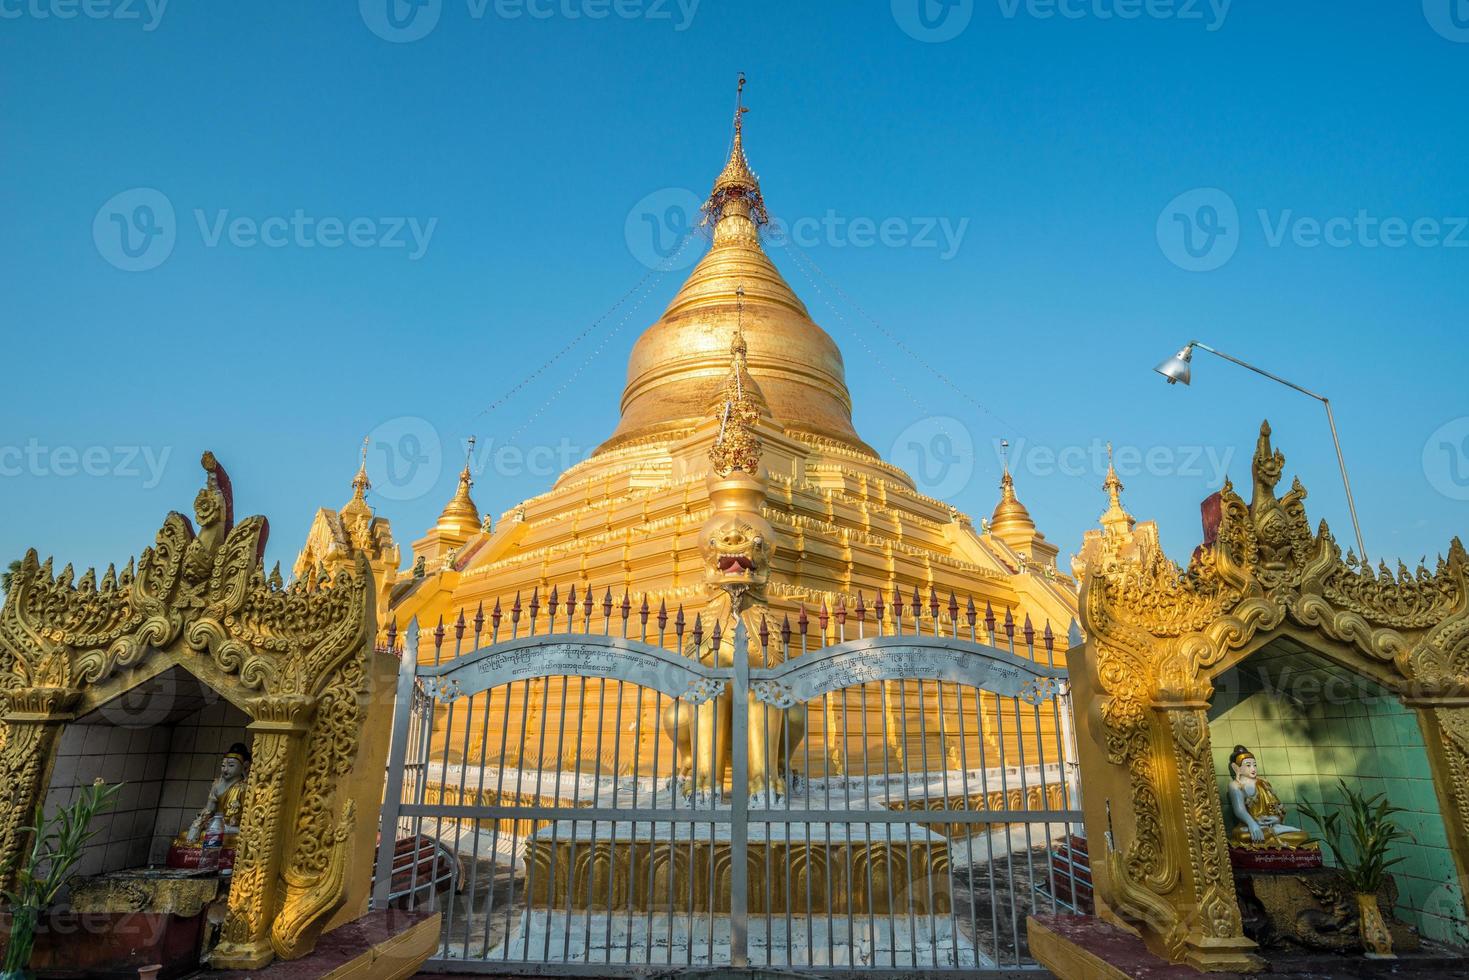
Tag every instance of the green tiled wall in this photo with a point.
(1305, 742)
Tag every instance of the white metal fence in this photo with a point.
(580, 793)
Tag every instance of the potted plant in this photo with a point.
(1360, 834)
(56, 847)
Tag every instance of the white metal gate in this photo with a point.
(535, 795)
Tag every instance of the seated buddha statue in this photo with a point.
(226, 799)
(1259, 815)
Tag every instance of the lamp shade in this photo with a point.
(1176, 368)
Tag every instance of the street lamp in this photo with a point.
(1177, 368)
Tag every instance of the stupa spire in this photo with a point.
(358, 505)
(1116, 519)
(1010, 511)
(1011, 521)
(360, 483)
(460, 514)
(736, 189)
(739, 407)
(739, 387)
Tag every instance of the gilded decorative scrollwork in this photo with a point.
(1158, 634)
(1037, 690)
(446, 690)
(31, 722)
(772, 692)
(297, 658)
(704, 689)
(1199, 809)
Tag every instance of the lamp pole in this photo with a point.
(1176, 369)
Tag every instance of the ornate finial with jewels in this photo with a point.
(360, 483)
(740, 407)
(737, 189)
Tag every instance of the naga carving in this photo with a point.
(296, 661)
(1159, 634)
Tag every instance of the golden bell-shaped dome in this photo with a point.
(1011, 522)
(460, 517)
(678, 363)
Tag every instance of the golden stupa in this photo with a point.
(627, 518)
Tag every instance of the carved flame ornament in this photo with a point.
(297, 662)
(1158, 636)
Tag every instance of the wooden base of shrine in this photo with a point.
(113, 944)
(1313, 910)
(131, 919)
(387, 945)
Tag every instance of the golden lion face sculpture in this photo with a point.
(737, 550)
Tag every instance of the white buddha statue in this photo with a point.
(1259, 814)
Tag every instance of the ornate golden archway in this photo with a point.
(299, 663)
(1157, 638)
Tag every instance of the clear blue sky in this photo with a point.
(526, 147)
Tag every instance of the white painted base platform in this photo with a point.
(883, 941)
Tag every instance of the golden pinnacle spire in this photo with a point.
(1112, 484)
(360, 483)
(1116, 519)
(460, 514)
(737, 189)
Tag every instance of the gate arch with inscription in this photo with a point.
(535, 798)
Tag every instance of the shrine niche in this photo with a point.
(289, 673)
(1174, 659)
